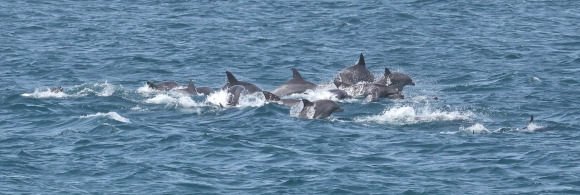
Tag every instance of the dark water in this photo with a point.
(491, 64)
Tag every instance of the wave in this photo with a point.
(533, 127)
(172, 100)
(403, 115)
(40, 94)
(474, 129)
(111, 115)
(220, 98)
(99, 89)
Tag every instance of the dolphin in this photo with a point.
(192, 90)
(339, 94)
(395, 79)
(319, 109)
(270, 97)
(532, 127)
(55, 89)
(375, 91)
(295, 85)
(232, 81)
(234, 93)
(163, 86)
(354, 74)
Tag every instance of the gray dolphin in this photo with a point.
(395, 79)
(192, 90)
(233, 81)
(163, 86)
(295, 85)
(270, 97)
(375, 91)
(55, 89)
(234, 93)
(535, 129)
(340, 94)
(354, 74)
(321, 108)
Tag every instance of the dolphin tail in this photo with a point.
(270, 97)
(296, 74)
(231, 78)
(361, 60)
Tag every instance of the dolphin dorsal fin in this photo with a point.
(307, 103)
(296, 74)
(387, 72)
(231, 78)
(270, 97)
(532, 119)
(191, 85)
(361, 60)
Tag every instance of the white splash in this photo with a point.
(107, 90)
(321, 93)
(408, 115)
(45, 94)
(474, 129)
(295, 110)
(146, 90)
(252, 100)
(162, 99)
(138, 108)
(111, 115)
(220, 98)
(187, 102)
(533, 127)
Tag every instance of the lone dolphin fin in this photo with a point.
(270, 97)
(296, 74)
(531, 121)
(191, 85)
(231, 78)
(307, 103)
(361, 61)
(387, 72)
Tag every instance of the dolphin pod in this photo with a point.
(353, 78)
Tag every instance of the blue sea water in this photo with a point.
(492, 64)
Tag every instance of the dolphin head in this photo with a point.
(55, 89)
(150, 84)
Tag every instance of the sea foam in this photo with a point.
(111, 115)
(402, 115)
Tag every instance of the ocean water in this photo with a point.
(492, 65)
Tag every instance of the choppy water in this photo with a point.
(491, 64)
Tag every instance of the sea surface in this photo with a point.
(491, 64)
